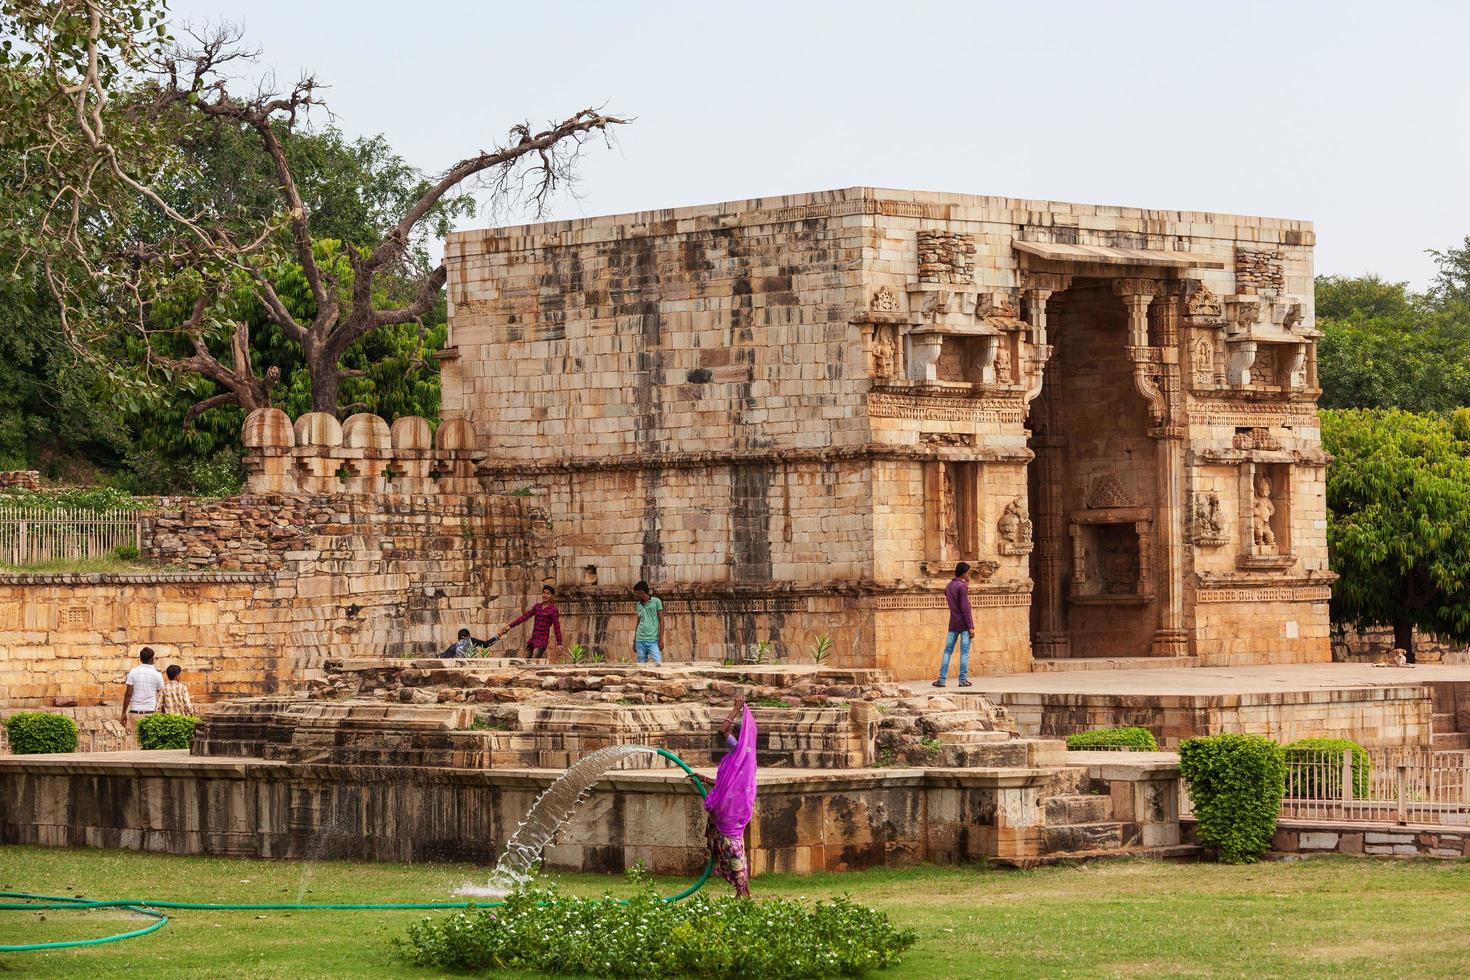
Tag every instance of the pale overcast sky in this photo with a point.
(1349, 114)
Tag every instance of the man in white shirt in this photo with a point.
(144, 682)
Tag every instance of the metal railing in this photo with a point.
(90, 740)
(33, 536)
(1387, 786)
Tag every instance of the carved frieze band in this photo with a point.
(932, 408)
(512, 468)
(1306, 593)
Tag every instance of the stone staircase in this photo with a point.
(1445, 734)
(1079, 824)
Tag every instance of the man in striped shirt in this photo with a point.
(176, 700)
(546, 619)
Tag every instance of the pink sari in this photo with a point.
(730, 805)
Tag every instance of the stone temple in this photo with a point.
(794, 415)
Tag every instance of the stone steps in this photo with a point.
(1442, 721)
(972, 738)
(1111, 663)
(1449, 741)
(1102, 835)
(1176, 852)
(1072, 810)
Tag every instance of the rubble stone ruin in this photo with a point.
(795, 415)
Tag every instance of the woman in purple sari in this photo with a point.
(732, 801)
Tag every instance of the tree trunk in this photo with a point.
(1403, 636)
(326, 378)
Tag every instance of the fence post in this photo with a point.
(1403, 781)
(21, 555)
(1347, 775)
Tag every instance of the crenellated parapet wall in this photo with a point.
(364, 454)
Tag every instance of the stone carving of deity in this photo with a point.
(1208, 525)
(1015, 528)
(1204, 361)
(883, 355)
(1263, 509)
(1003, 362)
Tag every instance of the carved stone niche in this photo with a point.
(1267, 342)
(1266, 517)
(1111, 556)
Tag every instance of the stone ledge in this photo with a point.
(134, 578)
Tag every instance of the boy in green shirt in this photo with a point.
(649, 636)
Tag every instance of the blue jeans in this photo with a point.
(964, 638)
(648, 652)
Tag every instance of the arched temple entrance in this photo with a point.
(1104, 487)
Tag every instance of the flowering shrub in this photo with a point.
(539, 930)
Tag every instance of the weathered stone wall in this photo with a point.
(268, 587)
(834, 396)
(804, 821)
(1375, 717)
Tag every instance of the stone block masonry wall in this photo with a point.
(257, 591)
(669, 377)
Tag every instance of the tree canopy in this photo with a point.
(1398, 525)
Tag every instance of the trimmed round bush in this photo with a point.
(1314, 768)
(1131, 737)
(1236, 783)
(546, 933)
(160, 731)
(38, 732)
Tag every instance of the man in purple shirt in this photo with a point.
(961, 624)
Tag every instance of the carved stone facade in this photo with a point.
(794, 415)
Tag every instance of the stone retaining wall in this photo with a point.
(1311, 837)
(1371, 716)
(804, 821)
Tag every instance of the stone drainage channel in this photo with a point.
(553, 809)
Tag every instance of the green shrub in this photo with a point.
(1133, 738)
(541, 931)
(37, 732)
(160, 731)
(125, 552)
(1314, 768)
(1236, 783)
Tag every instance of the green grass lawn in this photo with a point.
(1324, 917)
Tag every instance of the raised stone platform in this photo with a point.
(805, 820)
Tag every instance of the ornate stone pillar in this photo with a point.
(1052, 639)
(1156, 376)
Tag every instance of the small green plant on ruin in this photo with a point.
(539, 930)
(760, 653)
(822, 650)
(772, 702)
(524, 491)
(577, 654)
(489, 723)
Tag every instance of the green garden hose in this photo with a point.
(145, 906)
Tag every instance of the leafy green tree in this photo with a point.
(171, 221)
(1398, 525)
